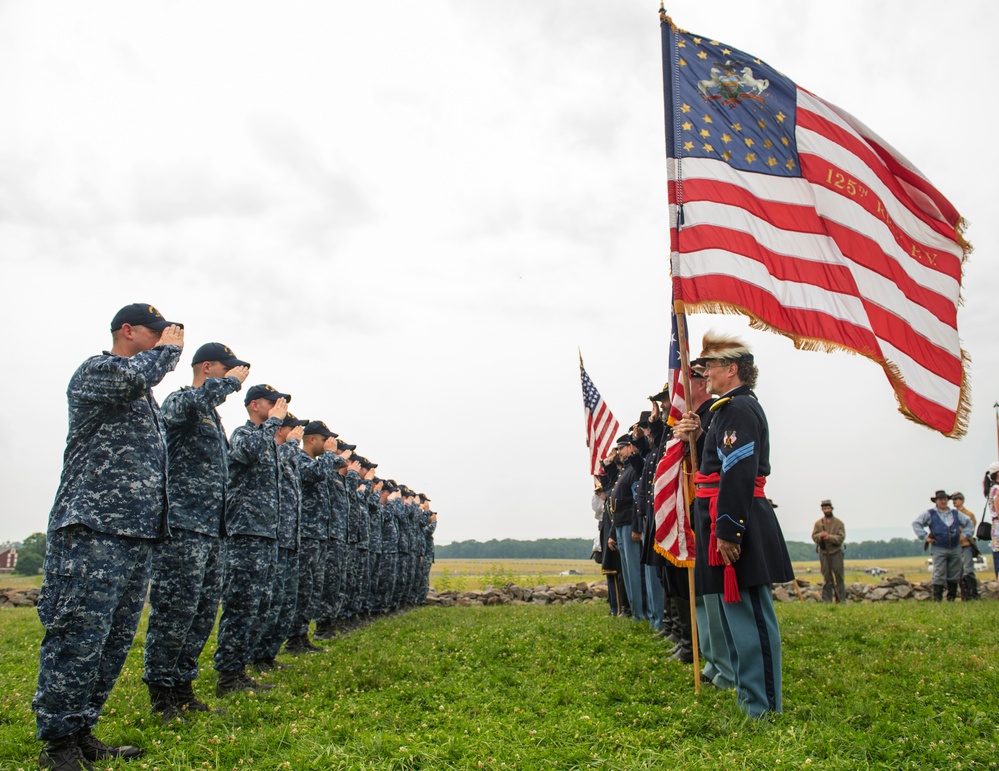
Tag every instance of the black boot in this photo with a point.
(951, 591)
(685, 648)
(233, 682)
(938, 592)
(324, 630)
(162, 700)
(185, 699)
(295, 646)
(63, 754)
(969, 587)
(93, 748)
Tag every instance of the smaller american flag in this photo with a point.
(678, 402)
(601, 427)
(674, 537)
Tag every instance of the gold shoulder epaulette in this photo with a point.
(719, 403)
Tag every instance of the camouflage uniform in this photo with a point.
(251, 548)
(428, 558)
(390, 557)
(276, 625)
(404, 563)
(186, 572)
(371, 599)
(335, 606)
(315, 535)
(110, 507)
(357, 548)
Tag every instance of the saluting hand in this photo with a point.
(354, 465)
(240, 373)
(330, 444)
(298, 432)
(279, 410)
(172, 335)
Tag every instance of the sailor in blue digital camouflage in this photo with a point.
(253, 503)
(429, 527)
(333, 609)
(109, 509)
(186, 573)
(373, 500)
(318, 466)
(276, 624)
(357, 548)
(390, 547)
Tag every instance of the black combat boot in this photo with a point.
(185, 699)
(951, 591)
(295, 646)
(63, 754)
(237, 680)
(685, 648)
(938, 592)
(93, 748)
(162, 700)
(310, 647)
(969, 587)
(324, 630)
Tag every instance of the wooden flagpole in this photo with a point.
(688, 481)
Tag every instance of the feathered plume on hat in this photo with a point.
(723, 348)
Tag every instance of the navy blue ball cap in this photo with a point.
(290, 421)
(141, 315)
(220, 353)
(345, 446)
(264, 392)
(365, 463)
(318, 427)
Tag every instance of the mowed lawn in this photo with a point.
(901, 685)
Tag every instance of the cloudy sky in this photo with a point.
(411, 215)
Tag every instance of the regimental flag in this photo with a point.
(674, 537)
(787, 209)
(601, 427)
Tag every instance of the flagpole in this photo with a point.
(681, 339)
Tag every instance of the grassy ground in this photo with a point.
(875, 686)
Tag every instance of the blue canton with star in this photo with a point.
(733, 107)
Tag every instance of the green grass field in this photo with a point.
(866, 686)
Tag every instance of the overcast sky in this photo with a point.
(411, 215)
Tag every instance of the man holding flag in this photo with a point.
(740, 547)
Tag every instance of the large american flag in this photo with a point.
(601, 427)
(674, 537)
(787, 209)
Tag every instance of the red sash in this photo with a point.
(714, 558)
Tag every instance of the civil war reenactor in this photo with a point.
(740, 547)
(828, 535)
(969, 582)
(251, 521)
(627, 538)
(186, 575)
(943, 530)
(319, 465)
(643, 519)
(277, 623)
(111, 506)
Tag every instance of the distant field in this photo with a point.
(477, 573)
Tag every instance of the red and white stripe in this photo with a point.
(860, 253)
(601, 431)
(674, 537)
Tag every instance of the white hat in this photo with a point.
(994, 467)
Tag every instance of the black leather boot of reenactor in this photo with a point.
(684, 651)
(63, 754)
(951, 591)
(938, 592)
(93, 748)
(969, 588)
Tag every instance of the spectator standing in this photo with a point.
(828, 535)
